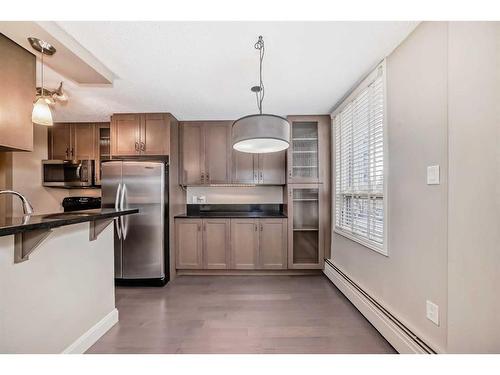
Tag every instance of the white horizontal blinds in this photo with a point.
(360, 164)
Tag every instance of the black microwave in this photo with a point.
(68, 173)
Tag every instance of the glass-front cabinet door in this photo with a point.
(303, 152)
(305, 226)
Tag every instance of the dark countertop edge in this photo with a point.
(55, 223)
(232, 215)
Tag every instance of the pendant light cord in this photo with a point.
(260, 94)
(42, 71)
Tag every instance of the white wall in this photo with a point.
(237, 194)
(474, 187)
(415, 270)
(64, 289)
(444, 240)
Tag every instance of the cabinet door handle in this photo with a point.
(202, 177)
(199, 227)
(67, 153)
(205, 227)
(143, 146)
(207, 177)
(255, 227)
(261, 177)
(261, 228)
(136, 146)
(255, 178)
(290, 173)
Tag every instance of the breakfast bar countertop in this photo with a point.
(19, 224)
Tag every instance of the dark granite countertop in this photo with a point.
(229, 215)
(13, 225)
(227, 211)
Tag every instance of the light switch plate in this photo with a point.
(433, 175)
(432, 312)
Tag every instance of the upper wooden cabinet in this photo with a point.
(309, 151)
(17, 74)
(134, 134)
(267, 169)
(205, 152)
(84, 142)
(75, 141)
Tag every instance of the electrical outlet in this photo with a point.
(432, 312)
(433, 175)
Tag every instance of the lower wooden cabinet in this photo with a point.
(188, 243)
(244, 244)
(216, 244)
(239, 244)
(273, 244)
(202, 243)
(308, 220)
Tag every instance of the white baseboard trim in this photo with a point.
(402, 340)
(90, 337)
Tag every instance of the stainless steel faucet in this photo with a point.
(27, 207)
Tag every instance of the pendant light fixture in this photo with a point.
(260, 133)
(42, 114)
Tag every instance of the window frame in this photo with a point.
(372, 245)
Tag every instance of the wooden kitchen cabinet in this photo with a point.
(309, 151)
(218, 152)
(266, 169)
(75, 141)
(60, 141)
(192, 170)
(216, 243)
(136, 134)
(259, 243)
(188, 243)
(273, 250)
(205, 152)
(18, 77)
(308, 222)
(238, 244)
(125, 134)
(243, 168)
(84, 142)
(244, 244)
(202, 243)
(272, 168)
(155, 134)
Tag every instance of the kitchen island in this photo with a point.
(57, 281)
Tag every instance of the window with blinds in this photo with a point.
(359, 164)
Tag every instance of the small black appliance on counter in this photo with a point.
(81, 203)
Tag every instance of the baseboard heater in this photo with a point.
(393, 330)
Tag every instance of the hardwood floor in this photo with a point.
(240, 314)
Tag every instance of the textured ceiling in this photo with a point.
(204, 70)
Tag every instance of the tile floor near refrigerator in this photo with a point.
(240, 314)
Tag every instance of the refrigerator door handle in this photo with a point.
(118, 219)
(124, 219)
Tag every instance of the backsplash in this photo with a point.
(234, 195)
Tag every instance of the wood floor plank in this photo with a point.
(240, 314)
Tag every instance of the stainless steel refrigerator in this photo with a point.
(141, 240)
